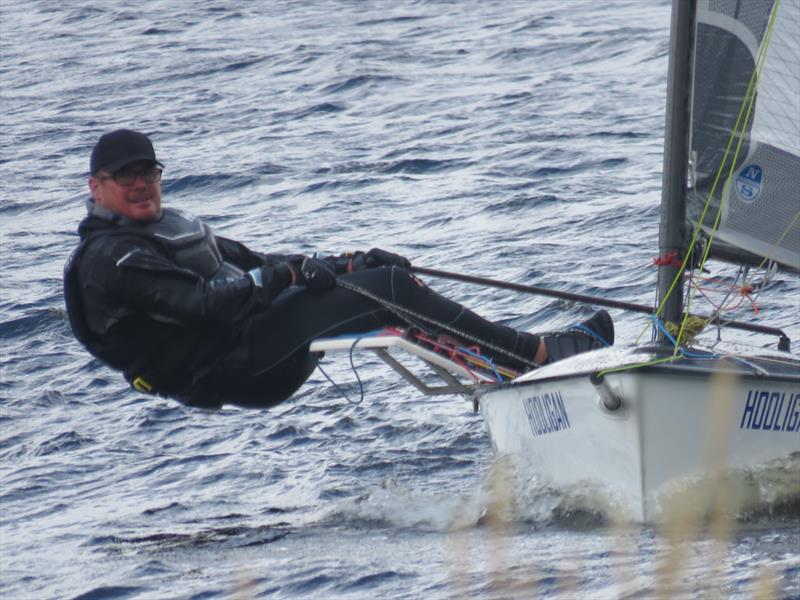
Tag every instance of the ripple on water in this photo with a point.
(515, 140)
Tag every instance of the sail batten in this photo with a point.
(759, 194)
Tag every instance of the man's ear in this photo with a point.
(94, 187)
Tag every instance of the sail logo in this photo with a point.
(546, 413)
(771, 411)
(748, 183)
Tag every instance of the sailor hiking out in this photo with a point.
(184, 313)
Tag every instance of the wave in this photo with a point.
(35, 321)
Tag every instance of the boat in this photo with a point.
(640, 423)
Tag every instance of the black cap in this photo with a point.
(118, 148)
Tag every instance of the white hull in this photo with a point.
(675, 423)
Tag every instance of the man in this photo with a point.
(184, 313)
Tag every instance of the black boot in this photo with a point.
(595, 332)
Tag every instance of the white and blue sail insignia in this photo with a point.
(748, 183)
(744, 104)
(546, 413)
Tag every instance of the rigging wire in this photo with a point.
(736, 132)
(355, 372)
(415, 317)
(456, 353)
(749, 101)
(744, 111)
(768, 257)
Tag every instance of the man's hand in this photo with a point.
(359, 261)
(381, 258)
(316, 274)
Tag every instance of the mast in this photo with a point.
(672, 237)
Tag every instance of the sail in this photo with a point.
(761, 196)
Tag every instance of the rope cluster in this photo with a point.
(735, 294)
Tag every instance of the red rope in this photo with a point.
(721, 287)
(455, 354)
(670, 259)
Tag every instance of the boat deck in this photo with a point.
(744, 362)
(737, 360)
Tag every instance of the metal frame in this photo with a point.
(449, 371)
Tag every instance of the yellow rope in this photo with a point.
(697, 228)
(749, 99)
(780, 239)
(744, 110)
(723, 355)
(639, 365)
(690, 328)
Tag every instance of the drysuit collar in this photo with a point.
(101, 212)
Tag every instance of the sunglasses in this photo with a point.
(127, 175)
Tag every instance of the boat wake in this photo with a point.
(395, 506)
(768, 492)
(746, 495)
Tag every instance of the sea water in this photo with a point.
(518, 140)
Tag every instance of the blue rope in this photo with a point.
(683, 351)
(355, 372)
(488, 361)
(594, 334)
(360, 336)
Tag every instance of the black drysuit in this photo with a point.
(172, 306)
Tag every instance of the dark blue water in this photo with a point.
(517, 140)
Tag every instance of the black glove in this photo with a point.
(316, 274)
(270, 280)
(381, 258)
(374, 258)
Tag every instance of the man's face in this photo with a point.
(133, 191)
